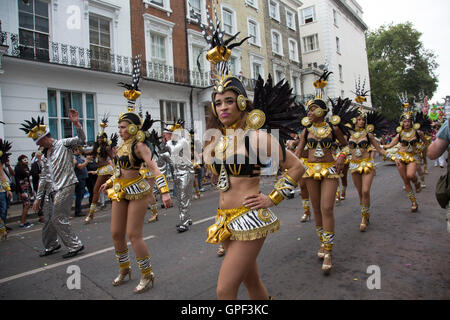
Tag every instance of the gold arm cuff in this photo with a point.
(6, 186)
(295, 183)
(109, 183)
(276, 197)
(163, 187)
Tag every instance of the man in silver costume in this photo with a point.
(174, 155)
(57, 184)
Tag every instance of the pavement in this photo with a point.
(403, 255)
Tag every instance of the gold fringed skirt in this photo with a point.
(319, 171)
(405, 157)
(129, 189)
(242, 224)
(363, 166)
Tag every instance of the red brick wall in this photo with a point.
(178, 16)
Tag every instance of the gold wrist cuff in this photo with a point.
(109, 183)
(6, 186)
(161, 182)
(276, 197)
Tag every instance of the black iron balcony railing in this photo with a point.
(100, 60)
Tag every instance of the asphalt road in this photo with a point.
(403, 255)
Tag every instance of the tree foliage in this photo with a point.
(398, 62)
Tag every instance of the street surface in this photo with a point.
(408, 251)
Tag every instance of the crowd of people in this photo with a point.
(317, 145)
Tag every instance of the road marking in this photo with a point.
(204, 220)
(56, 265)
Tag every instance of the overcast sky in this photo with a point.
(431, 18)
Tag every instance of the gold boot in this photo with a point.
(306, 211)
(91, 213)
(414, 205)
(154, 216)
(144, 284)
(328, 240)
(122, 276)
(365, 218)
(147, 275)
(326, 266)
(343, 193)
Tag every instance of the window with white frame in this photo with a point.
(198, 8)
(164, 5)
(100, 42)
(274, 10)
(279, 75)
(253, 32)
(341, 73)
(295, 84)
(34, 29)
(335, 17)
(257, 70)
(198, 57)
(158, 48)
(228, 18)
(277, 43)
(171, 111)
(59, 104)
(252, 3)
(338, 45)
(311, 43)
(290, 19)
(293, 50)
(308, 15)
(233, 64)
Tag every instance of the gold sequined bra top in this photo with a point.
(126, 158)
(234, 165)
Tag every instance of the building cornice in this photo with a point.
(351, 14)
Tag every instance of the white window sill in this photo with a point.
(258, 45)
(278, 54)
(294, 60)
(168, 10)
(276, 19)
(249, 5)
(306, 52)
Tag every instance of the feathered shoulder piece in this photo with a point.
(5, 146)
(113, 141)
(274, 107)
(423, 123)
(377, 124)
(342, 114)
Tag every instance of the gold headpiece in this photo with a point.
(35, 129)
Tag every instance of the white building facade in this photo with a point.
(62, 54)
(332, 33)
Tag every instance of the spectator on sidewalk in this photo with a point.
(81, 172)
(36, 168)
(9, 175)
(91, 179)
(23, 186)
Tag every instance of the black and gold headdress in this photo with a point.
(5, 146)
(361, 96)
(218, 54)
(408, 112)
(137, 127)
(318, 101)
(35, 129)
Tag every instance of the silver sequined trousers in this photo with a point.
(57, 209)
(183, 182)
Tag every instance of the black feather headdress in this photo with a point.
(343, 114)
(5, 146)
(274, 107)
(35, 129)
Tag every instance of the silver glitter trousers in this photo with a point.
(57, 209)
